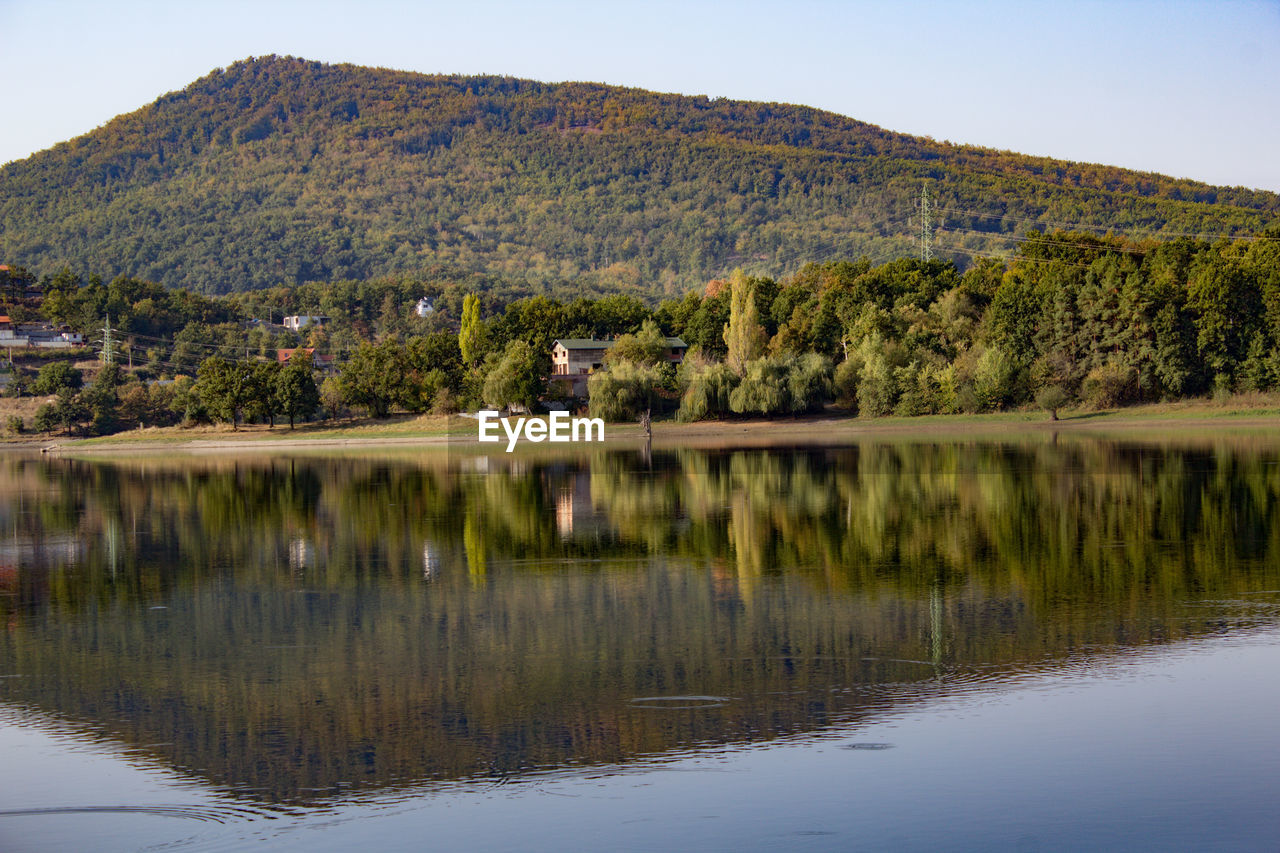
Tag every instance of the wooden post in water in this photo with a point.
(646, 424)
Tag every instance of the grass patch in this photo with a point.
(1249, 410)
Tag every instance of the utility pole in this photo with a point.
(926, 225)
(108, 350)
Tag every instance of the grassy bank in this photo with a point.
(1248, 412)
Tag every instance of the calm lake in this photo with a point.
(1035, 643)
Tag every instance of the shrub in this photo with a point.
(15, 424)
(920, 390)
(46, 418)
(845, 384)
(997, 380)
(1255, 371)
(1110, 385)
(445, 402)
(948, 389)
(877, 389)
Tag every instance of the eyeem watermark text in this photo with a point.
(558, 427)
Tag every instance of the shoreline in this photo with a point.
(434, 432)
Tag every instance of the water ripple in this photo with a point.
(213, 814)
(679, 702)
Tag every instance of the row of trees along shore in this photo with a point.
(1072, 319)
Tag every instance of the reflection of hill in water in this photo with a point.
(327, 623)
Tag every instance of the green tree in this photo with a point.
(55, 376)
(708, 386)
(438, 351)
(374, 377)
(1108, 385)
(103, 398)
(516, 378)
(998, 380)
(809, 382)
(225, 388)
(68, 412)
(845, 383)
(624, 391)
(46, 418)
(537, 321)
(19, 380)
(647, 346)
(1016, 314)
(1052, 398)
(186, 403)
(262, 404)
(296, 393)
(1228, 307)
(764, 389)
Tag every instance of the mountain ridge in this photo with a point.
(282, 170)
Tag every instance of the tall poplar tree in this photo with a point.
(471, 332)
(743, 334)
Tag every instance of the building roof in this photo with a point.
(283, 355)
(582, 343)
(591, 343)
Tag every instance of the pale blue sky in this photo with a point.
(1190, 89)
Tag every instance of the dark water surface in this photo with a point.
(1028, 644)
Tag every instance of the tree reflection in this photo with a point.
(291, 627)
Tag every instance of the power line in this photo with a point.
(1105, 228)
(1017, 258)
(1048, 241)
(825, 250)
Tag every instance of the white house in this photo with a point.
(298, 322)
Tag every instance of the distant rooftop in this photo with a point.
(583, 343)
(592, 343)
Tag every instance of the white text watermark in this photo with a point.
(559, 427)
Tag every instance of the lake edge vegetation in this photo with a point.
(1073, 320)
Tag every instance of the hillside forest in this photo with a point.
(279, 170)
(1071, 320)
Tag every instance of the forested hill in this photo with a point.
(279, 170)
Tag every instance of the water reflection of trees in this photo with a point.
(380, 622)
